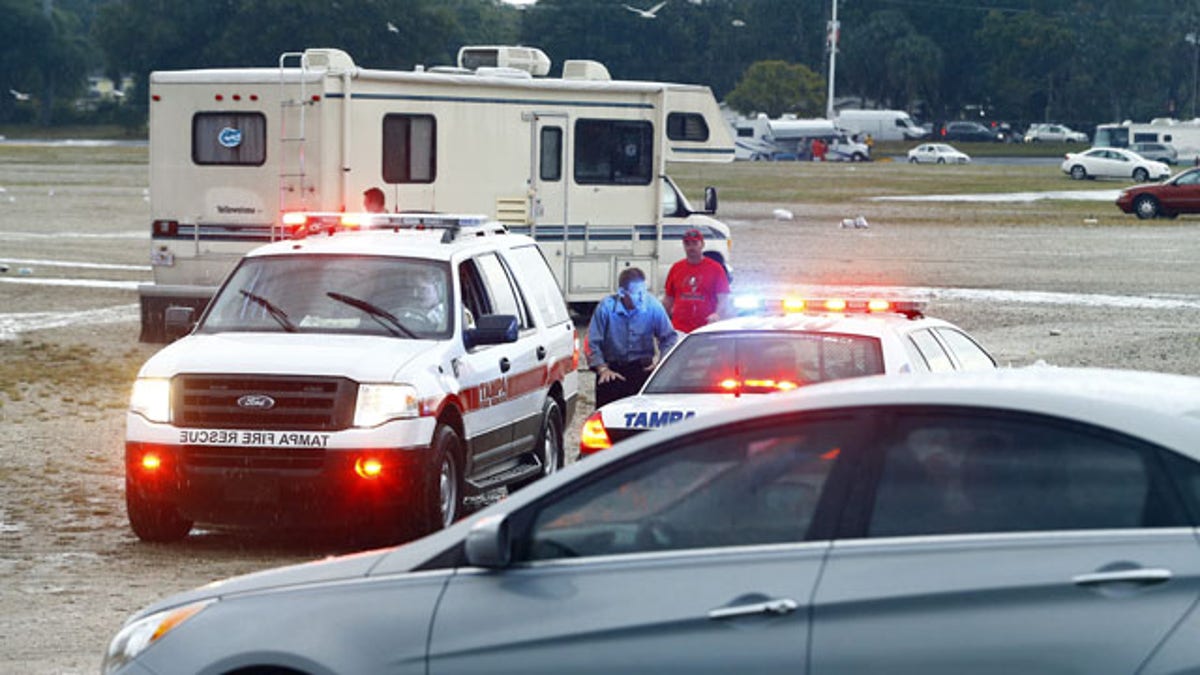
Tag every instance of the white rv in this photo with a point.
(883, 125)
(762, 138)
(577, 162)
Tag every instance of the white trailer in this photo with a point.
(577, 162)
(762, 138)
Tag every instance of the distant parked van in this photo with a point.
(883, 125)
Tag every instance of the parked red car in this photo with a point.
(1168, 199)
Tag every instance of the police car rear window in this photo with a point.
(764, 362)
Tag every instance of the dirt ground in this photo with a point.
(1114, 293)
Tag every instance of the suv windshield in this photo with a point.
(400, 297)
(761, 362)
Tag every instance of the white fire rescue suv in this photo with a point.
(577, 162)
(363, 380)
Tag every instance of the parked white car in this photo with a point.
(937, 153)
(1113, 163)
(1054, 133)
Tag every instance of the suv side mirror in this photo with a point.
(492, 329)
(177, 322)
(710, 199)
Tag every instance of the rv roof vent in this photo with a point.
(583, 69)
(515, 73)
(529, 59)
(329, 59)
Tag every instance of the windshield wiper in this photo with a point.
(279, 315)
(382, 316)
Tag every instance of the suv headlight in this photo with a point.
(135, 637)
(151, 398)
(378, 403)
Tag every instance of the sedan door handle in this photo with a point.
(773, 607)
(1136, 576)
(541, 352)
(505, 364)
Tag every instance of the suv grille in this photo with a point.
(308, 403)
(215, 457)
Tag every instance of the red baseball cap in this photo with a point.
(693, 235)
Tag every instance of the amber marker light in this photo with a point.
(368, 467)
(793, 304)
(151, 462)
(835, 305)
(877, 305)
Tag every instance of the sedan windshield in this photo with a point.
(399, 297)
(761, 362)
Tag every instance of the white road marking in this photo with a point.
(1075, 195)
(13, 324)
(70, 263)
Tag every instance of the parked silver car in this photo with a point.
(1037, 520)
(1159, 152)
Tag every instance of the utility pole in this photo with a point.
(832, 37)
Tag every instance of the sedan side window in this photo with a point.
(950, 473)
(970, 355)
(739, 488)
(931, 350)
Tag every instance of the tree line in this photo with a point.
(1074, 61)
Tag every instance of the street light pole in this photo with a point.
(833, 48)
(1194, 41)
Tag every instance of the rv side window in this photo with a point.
(1147, 138)
(233, 138)
(551, 164)
(686, 127)
(409, 148)
(613, 152)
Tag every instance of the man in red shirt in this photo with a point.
(697, 289)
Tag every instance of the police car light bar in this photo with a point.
(298, 225)
(746, 304)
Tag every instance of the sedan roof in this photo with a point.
(1161, 408)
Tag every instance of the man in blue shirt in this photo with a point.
(625, 329)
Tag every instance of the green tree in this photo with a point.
(778, 87)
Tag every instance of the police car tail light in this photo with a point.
(368, 468)
(593, 437)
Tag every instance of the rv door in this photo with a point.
(548, 190)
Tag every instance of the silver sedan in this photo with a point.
(1036, 520)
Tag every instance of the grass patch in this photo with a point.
(79, 374)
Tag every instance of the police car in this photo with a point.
(780, 345)
(365, 375)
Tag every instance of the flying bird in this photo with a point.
(19, 95)
(392, 28)
(737, 23)
(646, 13)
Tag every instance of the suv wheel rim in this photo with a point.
(447, 491)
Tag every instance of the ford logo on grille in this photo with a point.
(256, 402)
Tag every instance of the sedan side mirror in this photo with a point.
(488, 544)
